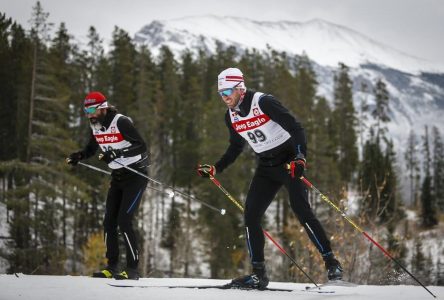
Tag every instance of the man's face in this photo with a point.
(232, 100)
(97, 117)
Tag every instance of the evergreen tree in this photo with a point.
(188, 128)
(396, 246)
(252, 63)
(421, 265)
(363, 109)
(168, 140)
(411, 158)
(24, 198)
(372, 177)
(188, 144)
(8, 101)
(391, 212)
(170, 234)
(439, 273)
(122, 58)
(428, 212)
(344, 122)
(379, 183)
(306, 86)
(381, 110)
(428, 202)
(93, 55)
(438, 168)
(144, 104)
(325, 171)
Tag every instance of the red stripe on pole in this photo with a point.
(377, 244)
(215, 181)
(274, 242)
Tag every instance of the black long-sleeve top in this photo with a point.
(295, 146)
(128, 132)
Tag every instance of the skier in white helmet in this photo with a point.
(278, 139)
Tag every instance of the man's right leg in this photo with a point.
(261, 193)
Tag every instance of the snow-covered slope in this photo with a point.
(84, 288)
(324, 42)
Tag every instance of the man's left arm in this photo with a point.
(130, 133)
(281, 115)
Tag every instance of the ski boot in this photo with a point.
(128, 273)
(333, 267)
(257, 280)
(107, 272)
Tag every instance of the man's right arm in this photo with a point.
(235, 148)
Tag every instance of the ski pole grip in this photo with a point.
(307, 183)
(100, 156)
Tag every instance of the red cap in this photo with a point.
(94, 98)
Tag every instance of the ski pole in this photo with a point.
(173, 190)
(109, 173)
(94, 168)
(323, 197)
(241, 208)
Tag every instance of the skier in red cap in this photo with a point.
(121, 145)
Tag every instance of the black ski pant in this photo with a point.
(263, 188)
(124, 196)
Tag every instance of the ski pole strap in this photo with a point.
(323, 197)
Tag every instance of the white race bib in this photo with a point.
(111, 139)
(258, 129)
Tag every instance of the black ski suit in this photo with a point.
(271, 174)
(124, 194)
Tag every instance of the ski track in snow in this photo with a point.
(36, 287)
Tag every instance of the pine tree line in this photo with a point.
(55, 213)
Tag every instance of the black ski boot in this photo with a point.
(257, 280)
(128, 273)
(107, 272)
(334, 268)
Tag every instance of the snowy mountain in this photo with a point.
(324, 42)
(30, 287)
(416, 86)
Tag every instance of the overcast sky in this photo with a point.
(413, 26)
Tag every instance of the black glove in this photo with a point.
(110, 155)
(74, 158)
(297, 167)
(206, 170)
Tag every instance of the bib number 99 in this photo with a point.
(256, 136)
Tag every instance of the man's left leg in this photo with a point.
(301, 207)
(132, 196)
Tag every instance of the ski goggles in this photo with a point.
(91, 109)
(228, 92)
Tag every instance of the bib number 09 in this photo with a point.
(256, 136)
